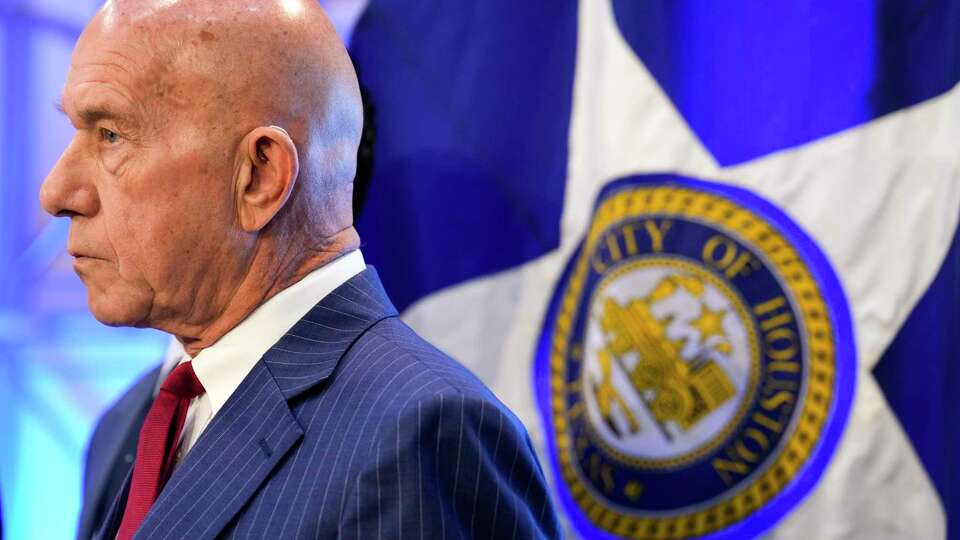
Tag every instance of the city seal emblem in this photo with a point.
(696, 365)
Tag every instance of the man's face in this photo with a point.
(146, 183)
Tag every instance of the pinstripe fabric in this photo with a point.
(352, 426)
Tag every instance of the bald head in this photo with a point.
(229, 66)
(213, 160)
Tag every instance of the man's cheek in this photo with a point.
(116, 162)
(132, 249)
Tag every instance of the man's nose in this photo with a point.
(67, 190)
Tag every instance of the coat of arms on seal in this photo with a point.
(696, 365)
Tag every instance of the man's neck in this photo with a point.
(269, 273)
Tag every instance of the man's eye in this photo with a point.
(109, 136)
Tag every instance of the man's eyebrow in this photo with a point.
(93, 114)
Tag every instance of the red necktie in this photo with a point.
(157, 446)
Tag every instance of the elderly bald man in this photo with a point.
(208, 188)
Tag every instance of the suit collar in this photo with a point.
(309, 352)
(222, 366)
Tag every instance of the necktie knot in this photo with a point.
(183, 382)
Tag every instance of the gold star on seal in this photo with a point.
(710, 323)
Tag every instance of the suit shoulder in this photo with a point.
(402, 374)
(477, 449)
(395, 347)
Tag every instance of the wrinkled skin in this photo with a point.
(213, 160)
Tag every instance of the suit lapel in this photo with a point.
(311, 350)
(238, 449)
(256, 428)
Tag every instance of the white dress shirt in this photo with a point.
(222, 366)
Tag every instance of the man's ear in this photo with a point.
(269, 170)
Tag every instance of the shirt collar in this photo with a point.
(173, 356)
(222, 366)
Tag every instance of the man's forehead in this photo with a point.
(121, 68)
(99, 79)
(123, 44)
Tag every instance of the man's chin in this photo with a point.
(113, 311)
(111, 317)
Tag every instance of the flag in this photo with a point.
(706, 252)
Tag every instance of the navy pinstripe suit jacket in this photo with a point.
(352, 426)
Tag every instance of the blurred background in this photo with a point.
(492, 127)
